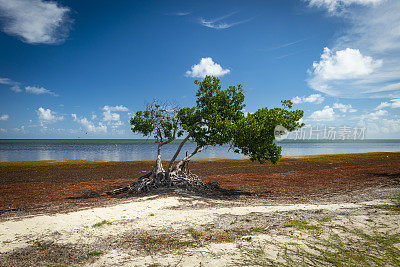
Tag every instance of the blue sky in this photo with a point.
(79, 68)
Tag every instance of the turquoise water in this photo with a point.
(139, 149)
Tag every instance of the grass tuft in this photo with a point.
(95, 253)
(101, 223)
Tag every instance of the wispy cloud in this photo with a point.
(38, 90)
(178, 13)
(286, 45)
(35, 21)
(338, 6)
(314, 98)
(14, 85)
(219, 24)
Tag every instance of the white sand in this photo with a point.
(144, 214)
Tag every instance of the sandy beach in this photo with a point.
(55, 214)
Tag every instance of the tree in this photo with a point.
(216, 119)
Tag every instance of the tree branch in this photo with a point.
(185, 159)
(176, 154)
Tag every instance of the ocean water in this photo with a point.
(127, 150)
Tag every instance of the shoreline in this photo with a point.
(27, 186)
(326, 156)
(54, 214)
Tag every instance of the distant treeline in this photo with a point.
(151, 141)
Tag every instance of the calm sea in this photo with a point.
(126, 150)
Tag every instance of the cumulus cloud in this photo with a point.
(340, 67)
(38, 90)
(90, 126)
(336, 5)
(35, 21)
(326, 114)
(395, 103)
(108, 115)
(48, 116)
(344, 108)
(206, 67)
(314, 98)
(4, 117)
(14, 85)
(2, 130)
(344, 64)
(374, 30)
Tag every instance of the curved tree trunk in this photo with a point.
(158, 170)
(158, 177)
(178, 167)
(174, 158)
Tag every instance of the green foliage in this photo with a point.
(254, 134)
(218, 119)
(216, 112)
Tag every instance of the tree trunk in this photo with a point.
(178, 167)
(158, 171)
(175, 156)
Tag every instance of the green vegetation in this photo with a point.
(333, 245)
(218, 118)
(326, 219)
(101, 223)
(95, 253)
(394, 206)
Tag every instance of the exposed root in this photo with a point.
(183, 180)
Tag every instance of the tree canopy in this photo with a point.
(218, 118)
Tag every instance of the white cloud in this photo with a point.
(336, 70)
(219, 24)
(94, 117)
(116, 108)
(206, 67)
(395, 104)
(376, 115)
(343, 66)
(48, 116)
(14, 85)
(38, 90)
(89, 126)
(2, 130)
(108, 115)
(335, 5)
(20, 129)
(35, 21)
(374, 30)
(344, 108)
(314, 98)
(179, 13)
(4, 117)
(326, 114)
